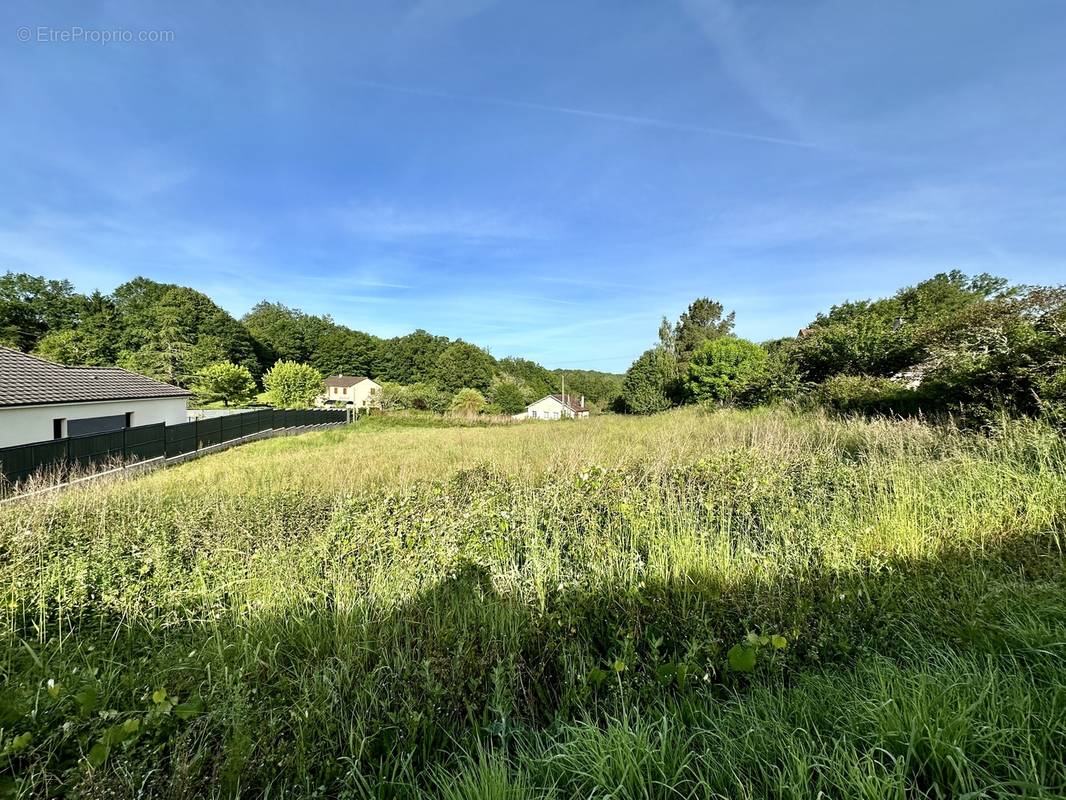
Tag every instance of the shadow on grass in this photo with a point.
(328, 690)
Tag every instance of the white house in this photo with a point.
(40, 400)
(556, 406)
(358, 392)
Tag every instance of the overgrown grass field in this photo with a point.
(693, 605)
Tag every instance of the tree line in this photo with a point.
(974, 347)
(179, 335)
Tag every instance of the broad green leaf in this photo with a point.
(682, 675)
(189, 709)
(86, 700)
(158, 696)
(19, 743)
(741, 658)
(779, 642)
(97, 754)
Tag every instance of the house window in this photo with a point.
(58, 425)
(533, 413)
(345, 390)
(129, 419)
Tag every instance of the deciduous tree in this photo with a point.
(701, 322)
(508, 397)
(293, 385)
(464, 365)
(727, 370)
(32, 306)
(650, 384)
(225, 381)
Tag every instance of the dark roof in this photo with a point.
(570, 402)
(26, 380)
(344, 380)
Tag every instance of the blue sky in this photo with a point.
(546, 179)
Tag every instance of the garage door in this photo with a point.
(83, 427)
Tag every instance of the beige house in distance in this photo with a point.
(358, 393)
(556, 406)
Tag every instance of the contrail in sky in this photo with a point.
(649, 122)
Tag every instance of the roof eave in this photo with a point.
(183, 396)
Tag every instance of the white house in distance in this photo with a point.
(358, 392)
(40, 400)
(556, 406)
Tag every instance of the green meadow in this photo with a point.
(690, 605)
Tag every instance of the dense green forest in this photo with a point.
(181, 336)
(973, 347)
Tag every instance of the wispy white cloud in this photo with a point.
(362, 298)
(388, 222)
(605, 116)
(724, 25)
(949, 212)
(432, 15)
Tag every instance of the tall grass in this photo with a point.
(692, 605)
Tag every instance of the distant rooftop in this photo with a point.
(26, 380)
(574, 404)
(345, 380)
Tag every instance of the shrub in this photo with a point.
(425, 397)
(727, 370)
(868, 395)
(393, 396)
(507, 396)
(468, 402)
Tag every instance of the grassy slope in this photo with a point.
(537, 609)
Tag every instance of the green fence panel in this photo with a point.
(208, 432)
(21, 461)
(230, 427)
(180, 439)
(97, 449)
(145, 441)
(150, 441)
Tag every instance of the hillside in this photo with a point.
(737, 604)
(172, 333)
